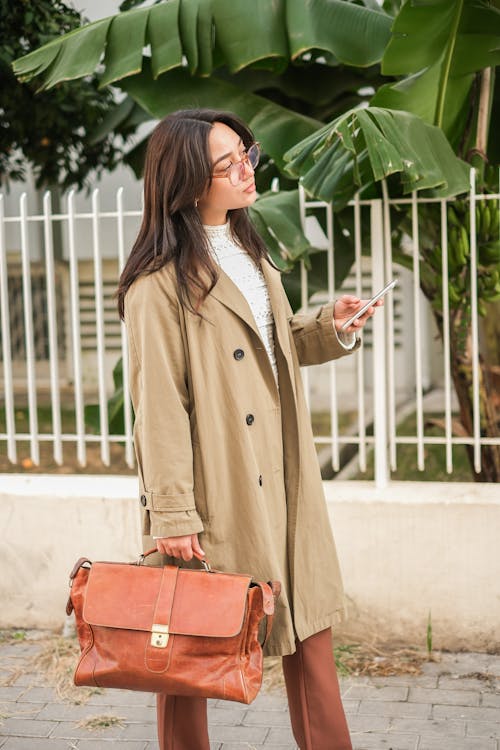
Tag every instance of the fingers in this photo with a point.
(365, 317)
(348, 305)
(361, 321)
(176, 546)
(180, 546)
(349, 299)
(196, 545)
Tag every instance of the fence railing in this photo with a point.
(362, 398)
(386, 407)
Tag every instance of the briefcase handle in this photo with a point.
(199, 557)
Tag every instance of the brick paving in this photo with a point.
(453, 705)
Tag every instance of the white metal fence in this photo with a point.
(399, 363)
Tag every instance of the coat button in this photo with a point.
(238, 354)
(260, 480)
(143, 500)
(250, 419)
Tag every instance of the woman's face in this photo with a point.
(226, 148)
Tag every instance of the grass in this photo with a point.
(44, 415)
(12, 636)
(434, 457)
(321, 422)
(102, 721)
(57, 662)
(373, 658)
(47, 463)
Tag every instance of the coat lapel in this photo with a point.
(277, 297)
(276, 293)
(226, 292)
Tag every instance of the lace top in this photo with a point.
(249, 279)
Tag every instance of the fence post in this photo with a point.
(379, 348)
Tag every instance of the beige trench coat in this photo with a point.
(222, 452)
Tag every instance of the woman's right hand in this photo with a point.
(180, 546)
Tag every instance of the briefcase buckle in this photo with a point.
(159, 636)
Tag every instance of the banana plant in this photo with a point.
(223, 53)
(284, 66)
(443, 55)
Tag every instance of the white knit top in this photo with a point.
(248, 277)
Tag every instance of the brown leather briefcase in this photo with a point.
(169, 629)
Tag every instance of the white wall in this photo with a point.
(414, 547)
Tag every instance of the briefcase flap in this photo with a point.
(189, 602)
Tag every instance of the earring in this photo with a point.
(196, 203)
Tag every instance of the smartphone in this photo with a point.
(370, 302)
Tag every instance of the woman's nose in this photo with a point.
(248, 170)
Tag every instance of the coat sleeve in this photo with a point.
(315, 337)
(160, 397)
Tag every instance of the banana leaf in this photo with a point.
(276, 217)
(439, 46)
(206, 34)
(364, 146)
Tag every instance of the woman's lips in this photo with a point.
(250, 188)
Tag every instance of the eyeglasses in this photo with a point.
(236, 172)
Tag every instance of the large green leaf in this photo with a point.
(418, 94)
(364, 146)
(72, 55)
(205, 34)
(278, 128)
(312, 87)
(277, 219)
(123, 54)
(439, 45)
(467, 31)
(353, 34)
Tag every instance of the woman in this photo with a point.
(226, 459)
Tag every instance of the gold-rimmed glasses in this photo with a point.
(236, 172)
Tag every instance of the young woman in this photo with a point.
(226, 459)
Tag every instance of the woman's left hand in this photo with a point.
(346, 306)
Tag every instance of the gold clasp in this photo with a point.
(159, 636)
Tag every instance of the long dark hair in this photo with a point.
(176, 173)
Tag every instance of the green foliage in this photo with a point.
(275, 217)
(434, 455)
(282, 66)
(204, 35)
(364, 146)
(458, 225)
(50, 131)
(116, 411)
(439, 46)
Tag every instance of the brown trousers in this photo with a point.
(316, 711)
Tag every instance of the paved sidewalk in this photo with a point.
(453, 705)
